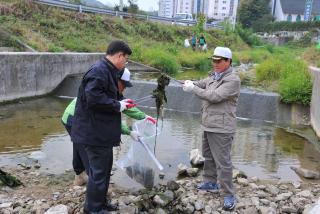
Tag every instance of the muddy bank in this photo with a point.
(43, 192)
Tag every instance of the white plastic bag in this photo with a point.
(186, 43)
(204, 47)
(139, 162)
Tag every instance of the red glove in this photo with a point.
(151, 119)
(128, 101)
(131, 105)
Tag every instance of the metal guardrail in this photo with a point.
(88, 9)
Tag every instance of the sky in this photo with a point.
(146, 5)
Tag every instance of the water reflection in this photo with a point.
(260, 149)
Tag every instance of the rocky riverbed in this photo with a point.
(56, 194)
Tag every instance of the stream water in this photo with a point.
(260, 149)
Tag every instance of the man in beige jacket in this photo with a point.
(219, 94)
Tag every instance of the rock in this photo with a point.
(306, 173)
(128, 209)
(305, 194)
(265, 201)
(251, 210)
(208, 209)
(196, 158)
(180, 191)
(255, 201)
(189, 209)
(169, 194)
(160, 211)
(272, 189)
(283, 187)
(59, 209)
(296, 184)
(172, 185)
(267, 210)
(158, 200)
(5, 205)
(199, 205)
(192, 172)
(253, 186)
(262, 194)
(243, 181)
(289, 209)
(283, 196)
(238, 174)
(182, 169)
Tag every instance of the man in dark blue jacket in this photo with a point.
(97, 121)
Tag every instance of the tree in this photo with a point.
(133, 6)
(251, 11)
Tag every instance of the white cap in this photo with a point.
(126, 77)
(222, 52)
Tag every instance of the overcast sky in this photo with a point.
(147, 5)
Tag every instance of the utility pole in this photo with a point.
(121, 7)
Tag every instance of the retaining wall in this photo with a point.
(28, 74)
(315, 100)
(252, 104)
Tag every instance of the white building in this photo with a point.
(295, 10)
(167, 8)
(216, 9)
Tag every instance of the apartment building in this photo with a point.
(216, 9)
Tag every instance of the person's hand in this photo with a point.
(125, 105)
(188, 86)
(151, 119)
(134, 135)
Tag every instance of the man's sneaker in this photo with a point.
(209, 186)
(81, 179)
(229, 202)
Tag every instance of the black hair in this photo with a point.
(117, 46)
(226, 59)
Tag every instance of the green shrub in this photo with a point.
(296, 88)
(53, 48)
(203, 64)
(162, 60)
(269, 70)
(295, 84)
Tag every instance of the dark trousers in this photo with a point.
(80, 161)
(100, 165)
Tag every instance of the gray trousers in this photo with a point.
(216, 149)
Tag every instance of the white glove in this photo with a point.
(134, 135)
(126, 105)
(188, 86)
(123, 105)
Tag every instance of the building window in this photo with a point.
(223, 14)
(224, 8)
(289, 18)
(224, 2)
(298, 19)
(215, 14)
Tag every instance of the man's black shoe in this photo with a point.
(112, 207)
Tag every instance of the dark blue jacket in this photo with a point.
(97, 120)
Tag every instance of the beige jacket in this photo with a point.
(219, 102)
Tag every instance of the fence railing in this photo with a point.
(88, 9)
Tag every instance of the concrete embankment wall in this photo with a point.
(252, 104)
(28, 74)
(315, 100)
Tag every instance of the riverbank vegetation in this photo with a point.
(159, 45)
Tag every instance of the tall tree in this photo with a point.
(251, 11)
(133, 6)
